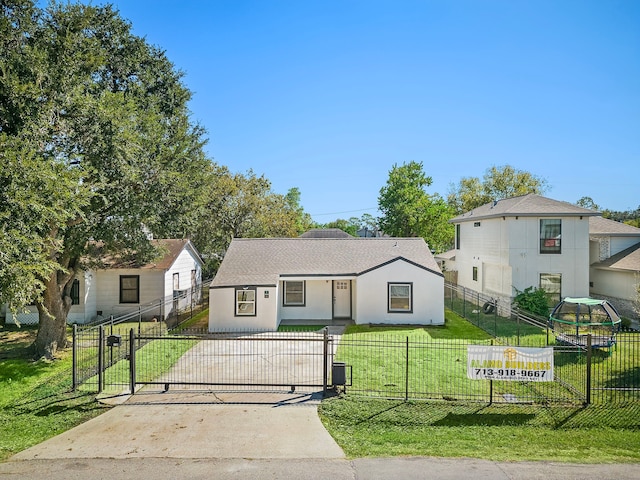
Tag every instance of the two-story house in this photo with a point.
(528, 241)
(615, 263)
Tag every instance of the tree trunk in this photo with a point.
(52, 313)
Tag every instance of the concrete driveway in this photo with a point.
(198, 425)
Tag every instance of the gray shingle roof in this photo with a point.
(604, 226)
(628, 259)
(261, 261)
(530, 205)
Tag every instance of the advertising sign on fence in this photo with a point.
(510, 363)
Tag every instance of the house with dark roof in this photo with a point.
(615, 263)
(264, 281)
(121, 287)
(525, 241)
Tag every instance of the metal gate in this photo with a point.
(238, 361)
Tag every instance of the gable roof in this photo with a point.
(604, 226)
(261, 261)
(170, 249)
(627, 259)
(530, 205)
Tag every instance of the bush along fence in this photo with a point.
(91, 357)
(598, 375)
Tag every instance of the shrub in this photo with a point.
(533, 300)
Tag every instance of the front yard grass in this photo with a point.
(365, 427)
(35, 398)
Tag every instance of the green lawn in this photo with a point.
(36, 402)
(431, 363)
(35, 398)
(365, 427)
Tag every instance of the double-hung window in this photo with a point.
(129, 288)
(400, 297)
(551, 283)
(246, 302)
(550, 233)
(293, 293)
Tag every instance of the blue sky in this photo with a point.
(327, 95)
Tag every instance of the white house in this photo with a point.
(520, 242)
(615, 263)
(368, 280)
(121, 288)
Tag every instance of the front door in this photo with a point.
(342, 299)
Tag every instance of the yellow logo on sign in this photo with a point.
(510, 354)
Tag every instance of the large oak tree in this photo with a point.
(97, 147)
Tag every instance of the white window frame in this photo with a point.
(245, 302)
(287, 289)
(390, 297)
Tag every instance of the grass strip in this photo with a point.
(36, 401)
(373, 428)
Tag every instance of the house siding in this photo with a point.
(318, 302)
(372, 295)
(108, 297)
(183, 265)
(507, 254)
(618, 244)
(222, 310)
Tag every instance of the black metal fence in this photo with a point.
(384, 365)
(125, 354)
(599, 375)
(91, 357)
(274, 361)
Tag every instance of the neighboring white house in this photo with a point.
(368, 280)
(121, 288)
(615, 263)
(520, 242)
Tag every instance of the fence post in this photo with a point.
(406, 372)
(588, 399)
(325, 359)
(518, 317)
(100, 358)
(491, 385)
(132, 362)
(74, 358)
(464, 302)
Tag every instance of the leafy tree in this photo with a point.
(103, 115)
(587, 202)
(240, 206)
(409, 211)
(498, 183)
(303, 220)
(350, 226)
